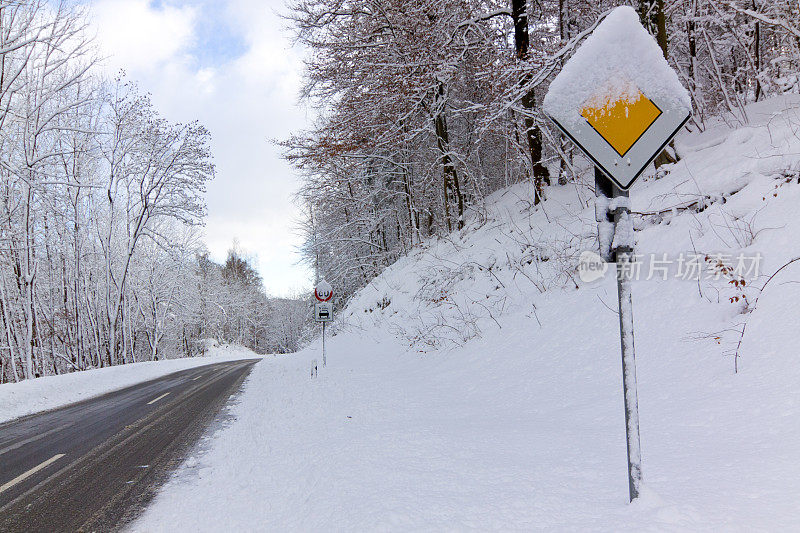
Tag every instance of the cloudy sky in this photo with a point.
(229, 64)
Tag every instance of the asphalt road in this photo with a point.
(94, 465)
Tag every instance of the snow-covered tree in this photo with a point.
(425, 107)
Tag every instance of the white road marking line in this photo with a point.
(30, 472)
(155, 400)
(198, 377)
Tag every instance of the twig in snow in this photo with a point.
(755, 303)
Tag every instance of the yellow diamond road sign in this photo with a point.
(622, 122)
(618, 99)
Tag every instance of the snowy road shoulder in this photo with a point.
(42, 394)
(494, 437)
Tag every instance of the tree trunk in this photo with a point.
(450, 174)
(7, 320)
(757, 52)
(565, 25)
(541, 176)
(28, 276)
(653, 18)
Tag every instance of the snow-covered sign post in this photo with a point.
(323, 309)
(620, 102)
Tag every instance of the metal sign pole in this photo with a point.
(622, 132)
(623, 256)
(604, 190)
(323, 310)
(629, 375)
(324, 362)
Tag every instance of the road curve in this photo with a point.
(94, 465)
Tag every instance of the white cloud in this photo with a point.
(140, 37)
(244, 101)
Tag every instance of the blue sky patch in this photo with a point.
(216, 39)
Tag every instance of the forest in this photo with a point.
(425, 107)
(101, 202)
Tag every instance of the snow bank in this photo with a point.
(476, 384)
(31, 396)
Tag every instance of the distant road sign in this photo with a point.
(323, 291)
(618, 99)
(323, 311)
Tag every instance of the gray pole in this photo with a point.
(604, 190)
(324, 363)
(623, 251)
(629, 376)
(615, 235)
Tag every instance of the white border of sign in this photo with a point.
(318, 307)
(624, 171)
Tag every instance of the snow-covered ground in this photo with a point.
(34, 395)
(476, 384)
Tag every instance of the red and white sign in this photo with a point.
(323, 291)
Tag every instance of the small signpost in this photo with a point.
(620, 102)
(323, 310)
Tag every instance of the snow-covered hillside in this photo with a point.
(476, 384)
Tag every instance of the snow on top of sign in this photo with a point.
(620, 59)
